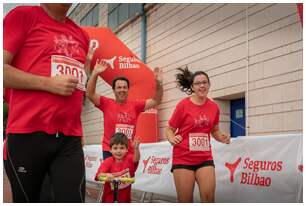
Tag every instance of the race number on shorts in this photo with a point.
(198, 142)
(125, 129)
(61, 65)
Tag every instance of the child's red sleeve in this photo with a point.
(104, 167)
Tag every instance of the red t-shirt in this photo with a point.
(7, 95)
(194, 124)
(45, 47)
(119, 118)
(126, 168)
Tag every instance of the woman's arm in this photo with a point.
(220, 136)
(172, 138)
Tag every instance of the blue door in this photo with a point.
(238, 117)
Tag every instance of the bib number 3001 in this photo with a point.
(199, 142)
(61, 65)
(125, 129)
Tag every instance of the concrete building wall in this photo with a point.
(213, 38)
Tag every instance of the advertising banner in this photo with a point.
(93, 157)
(250, 169)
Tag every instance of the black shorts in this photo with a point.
(194, 167)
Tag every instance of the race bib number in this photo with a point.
(122, 174)
(61, 65)
(125, 129)
(199, 142)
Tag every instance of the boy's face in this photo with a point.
(118, 151)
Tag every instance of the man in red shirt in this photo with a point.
(44, 55)
(120, 115)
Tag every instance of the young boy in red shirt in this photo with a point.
(121, 164)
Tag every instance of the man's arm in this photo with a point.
(91, 85)
(150, 103)
(136, 157)
(88, 60)
(18, 79)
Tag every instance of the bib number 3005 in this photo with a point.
(199, 142)
(61, 65)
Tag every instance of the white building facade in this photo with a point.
(253, 54)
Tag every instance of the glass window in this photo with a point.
(91, 18)
(123, 13)
(111, 7)
(95, 16)
(83, 22)
(119, 13)
(134, 8)
(113, 19)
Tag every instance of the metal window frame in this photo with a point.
(87, 14)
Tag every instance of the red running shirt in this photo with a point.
(119, 118)
(7, 95)
(194, 124)
(45, 47)
(126, 168)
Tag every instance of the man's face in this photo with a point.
(64, 6)
(58, 7)
(121, 91)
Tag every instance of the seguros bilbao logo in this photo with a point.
(154, 165)
(90, 160)
(250, 171)
(124, 62)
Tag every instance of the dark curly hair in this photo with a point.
(184, 79)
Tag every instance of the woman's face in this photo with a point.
(200, 85)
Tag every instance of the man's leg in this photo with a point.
(46, 193)
(26, 165)
(67, 171)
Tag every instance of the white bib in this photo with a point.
(125, 129)
(61, 65)
(199, 142)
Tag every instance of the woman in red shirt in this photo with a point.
(192, 122)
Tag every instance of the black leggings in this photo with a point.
(31, 156)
